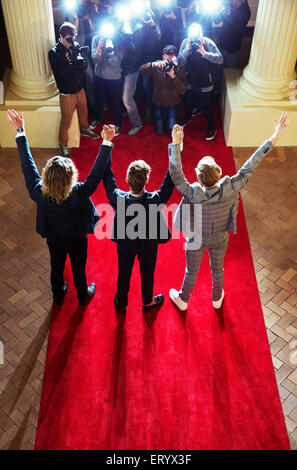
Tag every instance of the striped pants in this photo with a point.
(193, 260)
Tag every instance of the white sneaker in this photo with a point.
(174, 295)
(217, 303)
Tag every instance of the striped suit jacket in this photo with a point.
(205, 215)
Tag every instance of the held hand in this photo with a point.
(15, 119)
(108, 132)
(177, 134)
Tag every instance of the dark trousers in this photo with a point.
(147, 263)
(201, 100)
(77, 249)
(113, 88)
(164, 113)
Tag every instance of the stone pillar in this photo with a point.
(30, 31)
(271, 68)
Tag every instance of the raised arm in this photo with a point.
(175, 168)
(99, 167)
(242, 176)
(110, 185)
(30, 171)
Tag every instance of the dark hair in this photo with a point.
(67, 29)
(169, 50)
(137, 175)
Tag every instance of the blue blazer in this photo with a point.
(77, 215)
(153, 230)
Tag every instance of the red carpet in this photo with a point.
(166, 380)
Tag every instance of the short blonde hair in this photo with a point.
(137, 175)
(59, 176)
(208, 171)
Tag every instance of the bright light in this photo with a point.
(195, 31)
(123, 12)
(107, 30)
(127, 28)
(70, 5)
(137, 7)
(211, 6)
(165, 3)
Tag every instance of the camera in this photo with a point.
(109, 46)
(172, 64)
(147, 15)
(75, 52)
(195, 43)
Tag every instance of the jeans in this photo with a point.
(129, 88)
(77, 249)
(201, 100)
(104, 87)
(148, 90)
(147, 263)
(164, 113)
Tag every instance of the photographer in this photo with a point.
(107, 59)
(139, 43)
(186, 13)
(198, 53)
(235, 19)
(169, 84)
(68, 68)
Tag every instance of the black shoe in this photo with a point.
(91, 292)
(117, 130)
(120, 310)
(65, 151)
(61, 300)
(159, 299)
(89, 133)
(211, 133)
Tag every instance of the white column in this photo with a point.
(30, 31)
(271, 67)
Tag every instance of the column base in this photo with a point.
(42, 120)
(248, 123)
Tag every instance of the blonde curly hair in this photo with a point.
(58, 178)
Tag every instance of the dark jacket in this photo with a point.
(69, 77)
(198, 67)
(140, 46)
(234, 24)
(154, 230)
(77, 215)
(167, 91)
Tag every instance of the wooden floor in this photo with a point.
(270, 202)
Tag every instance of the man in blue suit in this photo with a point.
(139, 226)
(65, 212)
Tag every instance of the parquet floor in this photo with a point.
(270, 202)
